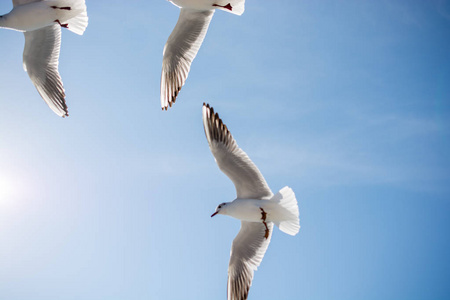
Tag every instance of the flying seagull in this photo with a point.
(41, 22)
(255, 205)
(185, 41)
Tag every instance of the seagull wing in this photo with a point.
(22, 2)
(232, 160)
(40, 60)
(247, 252)
(180, 50)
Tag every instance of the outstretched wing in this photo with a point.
(232, 160)
(22, 2)
(40, 60)
(180, 50)
(247, 252)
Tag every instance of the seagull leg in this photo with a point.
(62, 25)
(65, 8)
(264, 215)
(228, 6)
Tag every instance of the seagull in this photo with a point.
(255, 205)
(185, 41)
(41, 22)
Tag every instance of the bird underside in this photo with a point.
(62, 8)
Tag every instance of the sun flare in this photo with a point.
(7, 190)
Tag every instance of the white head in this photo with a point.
(220, 209)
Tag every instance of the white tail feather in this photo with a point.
(78, 23)
(288, 213)
(76, 18)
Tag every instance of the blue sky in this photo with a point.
(347, 102)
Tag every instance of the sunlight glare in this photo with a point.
(8, 190)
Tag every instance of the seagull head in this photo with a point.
(219, 208)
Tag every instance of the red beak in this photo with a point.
(214, 214)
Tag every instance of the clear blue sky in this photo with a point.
(347, 102)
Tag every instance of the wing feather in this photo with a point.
(180, 50)
(232, 160)
(40, 60)
(247, 252)
(22, 2)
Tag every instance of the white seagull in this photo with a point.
(41, 22)
(185, 41)
(256, 206)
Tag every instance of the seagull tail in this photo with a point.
(77, 19)
(288, 212)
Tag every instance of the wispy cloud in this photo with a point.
(372, 149)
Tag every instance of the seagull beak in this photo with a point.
(214, 214)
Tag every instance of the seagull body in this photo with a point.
(41, 22)
(185, 40)
(255, 205)
(253, 210)
(246, 209)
